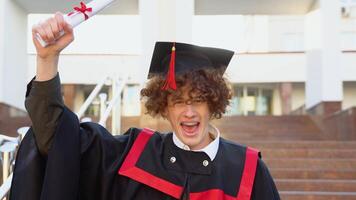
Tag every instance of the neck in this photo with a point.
(207, 140)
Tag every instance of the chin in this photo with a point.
(192, 140)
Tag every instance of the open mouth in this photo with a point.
(190, 128)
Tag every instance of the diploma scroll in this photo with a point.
(80, 14)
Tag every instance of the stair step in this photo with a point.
(267, 124)
(284, 173)
(284, 137)
(301, 163)
(316, 185)
(307, 153)
(316, 195)
(326, 144)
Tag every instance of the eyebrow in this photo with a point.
(177, 98)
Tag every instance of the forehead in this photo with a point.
(185, 92)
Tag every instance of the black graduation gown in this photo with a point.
(86, 162)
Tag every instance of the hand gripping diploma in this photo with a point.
(53, 35)
(47, 57)
(79, 15)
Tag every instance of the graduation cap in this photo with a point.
(171, 58)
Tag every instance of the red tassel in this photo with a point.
(170, 82)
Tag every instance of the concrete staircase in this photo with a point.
(311, 169)
(305, 165)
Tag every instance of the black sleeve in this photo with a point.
(264, 187)
(44, 104)
(82, 162)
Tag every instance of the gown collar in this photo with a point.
(211, 149)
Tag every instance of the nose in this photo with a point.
(189, 111)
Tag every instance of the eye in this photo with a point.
(198, 100)
(178, 102)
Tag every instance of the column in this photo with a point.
(285, 91)
(13, 53)
(69, 91)
(148, 11)
(175, 20)
(2, 49)
(324, 90)
(165, 20)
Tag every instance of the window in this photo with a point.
(251, 100)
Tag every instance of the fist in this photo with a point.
(50, 31)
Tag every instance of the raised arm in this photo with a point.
(44, 101)
(47, 58)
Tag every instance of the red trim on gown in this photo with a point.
(130, 170)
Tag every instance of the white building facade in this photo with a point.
(288, 55)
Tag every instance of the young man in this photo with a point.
(63, 159)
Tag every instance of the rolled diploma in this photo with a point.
(77, 17)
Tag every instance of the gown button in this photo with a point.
(173, 159)
(205, 163)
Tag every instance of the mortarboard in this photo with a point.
(171, 58)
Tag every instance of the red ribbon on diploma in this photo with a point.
(83, 9)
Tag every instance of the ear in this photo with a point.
(211, 117)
